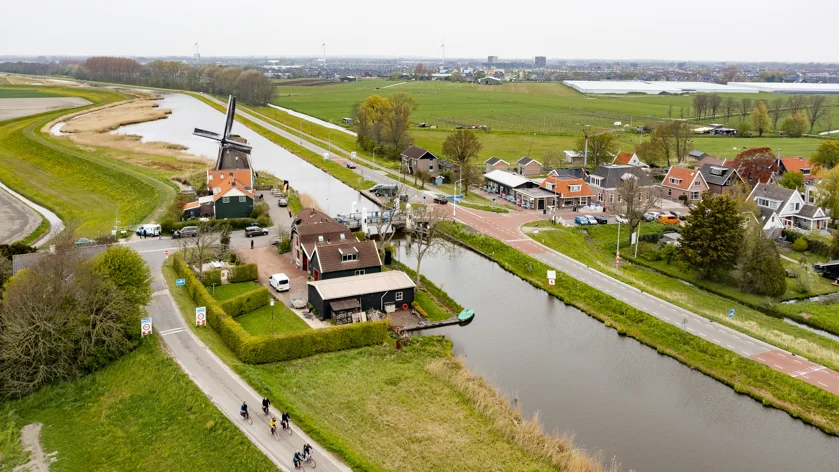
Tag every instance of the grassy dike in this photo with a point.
(772, 388)
(412, 410)
(139, 413)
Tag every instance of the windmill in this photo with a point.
(233, 151)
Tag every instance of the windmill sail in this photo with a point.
(234, 152)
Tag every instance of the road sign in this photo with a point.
(145, 327)
(731, 313)
(166, 252)
(618, 258)
(180, 282)
(326, 156)
(551, 277)
(352, 154)
(200, 316)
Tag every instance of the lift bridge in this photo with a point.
(399, 220)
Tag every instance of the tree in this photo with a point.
(776, 111)
(700, 103)
(462, 148)
(827, 196)
(826, 156)
(205, 247)
(792, 180)
(384, 123)
(744, 129)
(634, 200)
(714, 102)
(5, 272)
(745, 107)
(425, 234)
(760, 270)
(681, 139)
(756, 165)
(804, 276)
(817, 109)
(796, 103)
(729, 104)
(712, 237)
(834, 246)
(601, 148)
(127, 271)
(795, 125)
(800, 244)
(760, 119)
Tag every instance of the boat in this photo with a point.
(466, 316)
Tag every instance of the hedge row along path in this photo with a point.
(224, 388)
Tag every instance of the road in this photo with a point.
(224, 388)
(506, 227)
(8, 213)
(19, 220)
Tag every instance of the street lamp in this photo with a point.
(272, 315)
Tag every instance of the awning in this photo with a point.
(345, 304)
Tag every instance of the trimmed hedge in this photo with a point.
(416, 306)
(212, 276)
(815, 244)
(243, 273)
(246, 302)
(267, 348)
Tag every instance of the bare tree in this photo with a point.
(776, 111)
(207, 245)
(462, 148)
(634, 200)
(714, 102)
(745, 108)
(601, 148)
(386, 227)
(700, 103)
(796, 103)
(817, 109)
(426, 234)
(729, 104)
(680, 138)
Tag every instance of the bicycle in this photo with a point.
(246, 417)
(310, 461)
(276, 433)
(286, 427)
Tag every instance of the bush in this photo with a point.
(211, 277)
(651, 237)
(246, 302)
(285, 246)
(815, 244)
(360, 235)
(264, 222)
(800, 244)
(243, 273)
(416, 306)
(260, 209)
(235, 223)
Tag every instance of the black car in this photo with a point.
(676, 214)
(252, 231)
(601, 220)
(441, 200)
(350, 165)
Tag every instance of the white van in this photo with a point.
(279, 282)
(150, 230)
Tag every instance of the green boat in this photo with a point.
(466, 316)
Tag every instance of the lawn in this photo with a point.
(258, 322)
(822, 315)
(434, 312)
(228, 291)
(595, 247)
(26, 92)
(139, 413)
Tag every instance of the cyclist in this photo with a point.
(298, 459)
(307, 452)
(273, 424)
(265, 404)
(284, 419)
(244, 410)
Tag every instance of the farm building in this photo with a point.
(385, 291)
(528, 167)
(654, 87)
(489, 81)
(494, 163)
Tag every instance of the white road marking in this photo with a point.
(761, 359)
(796, 360)
(823, 385)
(749, 342)
(715, 340)
(781, 355)
(666, 318)
(730, 347)
(703, 335)
(776, 365)
(745, 353)
(690, 329)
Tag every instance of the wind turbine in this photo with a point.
(196, 55)
(443, 47)
(324, 52)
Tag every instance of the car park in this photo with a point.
(668, 219)
(601, 219)
(185, 232)
(581, 220)
(441, 200)
(279, 282)
(252, 231)
(591, 219)
(349, 165)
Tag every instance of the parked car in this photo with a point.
(84, 242)
(651, 215)
(601, 219)
(185, 232)
(591, 219)
(384, 190)
(441, 200)
(349, 165)
(402, 198)
(252, 231)
(676, 214)
(668, 219)
(282, 201)
(581, 220)
(148, 230)
(622, 219)
(279, 282)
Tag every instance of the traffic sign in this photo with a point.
(145, 327)
(180, 282)
(551, 277)
(200, 316)
(352, 154)
(731, 313)
(166, 252)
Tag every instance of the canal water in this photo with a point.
(189, 113)
(616, 395)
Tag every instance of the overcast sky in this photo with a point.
(744, 30)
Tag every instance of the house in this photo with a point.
(216, 176)
(568, 190)
(528, 167)
(385, 291)
(489, 81)
(578, 172)
(625, 158)
(605, 180)
(698, 155)
(786, 207)
(685, 183)
(709, 160)
(802, 165)
(204, 207)
(571, 155)
(233, 200)
(310, 227)
(417, 159)
(344, 258)
(720, 179)
(505, 183)
(494, 163)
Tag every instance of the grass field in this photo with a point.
(228, 291)
(139, 413)
(258, 322)
(26, 92)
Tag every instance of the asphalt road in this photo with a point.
(224, 388)
(18, 219)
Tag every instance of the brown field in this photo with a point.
(111, 118)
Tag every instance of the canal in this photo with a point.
(614, 394)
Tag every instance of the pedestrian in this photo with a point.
(251, 243)
(423, 200)
(144, 233)
(289, 212)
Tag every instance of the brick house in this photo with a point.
(417, 159)
(605, 180)
(683, 182)
(344, 258)
(720, 179)
(569, 191)
(311, 227)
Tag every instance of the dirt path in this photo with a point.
(30, 436)
(19, 220)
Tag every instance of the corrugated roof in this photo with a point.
(345, 287)
(505, 178)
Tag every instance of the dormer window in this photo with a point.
(675, 181)
(805, 171)
(342, 236)
(717, 171)
(320, 239)
(350, 257)
(575, 188)
(222, 176)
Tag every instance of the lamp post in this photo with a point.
(272, 316)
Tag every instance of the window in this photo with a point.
(575, 188)
(243, 199)
(225, 199)
(766, 203)
(595, 180)
(222, 176)
(611, 197)
(669, 192)
(320, 238)
(805, 171)
(694, 195)
(599, 196)
(216, 190)
(349, 257)
(794, 206)
(583, 201)
(359, 272)
(341, 236)
(399, 296)
(676, 181)
(696, 183)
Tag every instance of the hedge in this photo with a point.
(246, 302)
(212, 276)
(267, 348)
(168, 226)
(815, 244)
(243, 273)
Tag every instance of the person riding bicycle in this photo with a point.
(307, 452)
(265, 404)
(284, 420)
(298, 459)
(273, 424)
(244, 410)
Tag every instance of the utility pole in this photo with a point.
(272, 316)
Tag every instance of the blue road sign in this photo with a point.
(180, 282)
(731, 313)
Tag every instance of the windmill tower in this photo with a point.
(234, 152)
(195, 55)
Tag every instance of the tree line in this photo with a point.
(812, 108)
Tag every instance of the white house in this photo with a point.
(786, 207)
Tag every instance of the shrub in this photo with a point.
(260, 209)
(360, 235)
(235, 223)
(264, 221)
(243, 273)
(651, 237)
(246, 302)
(800, 244)
(211, 277)
(285, 246)
(416, 306)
